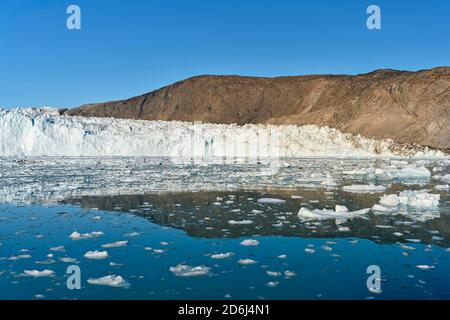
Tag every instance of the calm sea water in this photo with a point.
(293, 260)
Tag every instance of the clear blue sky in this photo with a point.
(126, 48)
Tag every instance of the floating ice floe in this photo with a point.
(19, 257)
(96, 255)
(222, 256)
(411, 172)
(273, 273)
(132, 234)
(246, 262)
(444, 187)
(424, 267)
(78, 236)
(183, 270)
(388, 174)
(272, 284)
(364, 188)
(58, 249)
(110, 281)
(310, 251)
(289, 274)
(68, 260)
(240, 222)
(341, 214)
(271, 201)
(446, 178)
(391, 200)
(329, 183)
(417, 199)
(38, 274)
(115, 244)
(249, 243)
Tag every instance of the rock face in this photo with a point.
(409, 107)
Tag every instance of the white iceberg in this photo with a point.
(222, 256)
(96, 255)
(240, 222)
(115, 244)
(249, 243)
(183, 270)
(419, 199)
(271, 200)
(340, 214)
(364, 188)
(247, 262)
(78, 236)
(110, 281)
(39, 274)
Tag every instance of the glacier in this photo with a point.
(44, 132)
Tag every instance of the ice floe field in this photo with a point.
(165, 228)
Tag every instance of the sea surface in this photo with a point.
(146, 228)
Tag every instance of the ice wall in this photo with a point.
(43, 132)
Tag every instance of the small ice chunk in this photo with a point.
(364, 188)
(96, 255)
(419, 172)
(110, 281)
(273, 273)
(419, 199)
(68, 260)
(380, 208)
(115, 244)
(424, 267)
(246, 262)
(339, 208)
(19, 257)
(249, 243)
(58, 249)
(289, 274)
(310, 251)
(341, 215)
(132, 234)
(78, 236)
(272, 284)
(222, 256)
(38, 274)
(240, 222)
(271, 200)
(391, 200)
(183, 270)
(444, 187)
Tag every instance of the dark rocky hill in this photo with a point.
(409, 107)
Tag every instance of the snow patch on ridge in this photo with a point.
(43, 132)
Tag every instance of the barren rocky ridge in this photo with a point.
(409, 107)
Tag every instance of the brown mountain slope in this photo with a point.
(410, 107)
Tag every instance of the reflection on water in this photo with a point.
(175, 231)
(200, 214)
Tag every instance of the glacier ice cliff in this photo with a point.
(44, 132)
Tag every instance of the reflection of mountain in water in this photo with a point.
(201, 215)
